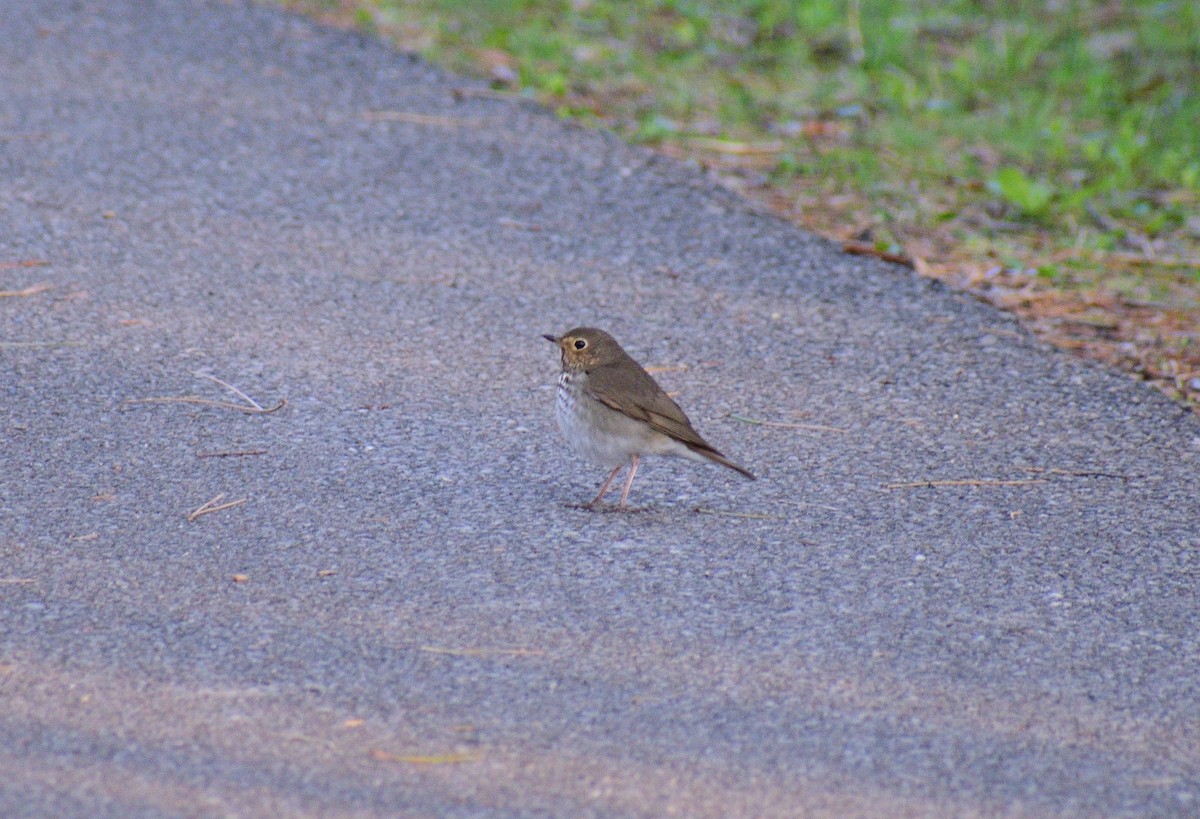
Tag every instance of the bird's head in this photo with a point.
(586, 347)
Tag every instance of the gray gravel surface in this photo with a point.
(405, 614)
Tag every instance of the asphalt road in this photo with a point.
(402, 613)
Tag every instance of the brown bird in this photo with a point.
(612, 411)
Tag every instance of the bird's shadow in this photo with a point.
(609, 508)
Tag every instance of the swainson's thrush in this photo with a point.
(613, 412)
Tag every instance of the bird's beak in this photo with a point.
(550, 338)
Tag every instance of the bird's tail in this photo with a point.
(717, 457)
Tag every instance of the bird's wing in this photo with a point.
(635, 393)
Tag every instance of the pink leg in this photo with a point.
(604, 488)
(629, 481)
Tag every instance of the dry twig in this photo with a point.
(1080, 473)
(208, 402)
(517, 224)
(970, 482)
(232, 389)
(251, 406)
(32, 290)
(231, 453)
(212, 505)
(423, 759)
(483, 652)
(461, 94)
(864, 249)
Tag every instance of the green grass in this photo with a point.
(1045, 108)
(1041, 135)
(1002, 144)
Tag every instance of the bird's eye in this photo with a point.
(580, 344)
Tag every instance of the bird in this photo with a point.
(613, 412)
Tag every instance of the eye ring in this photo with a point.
(580, 344)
